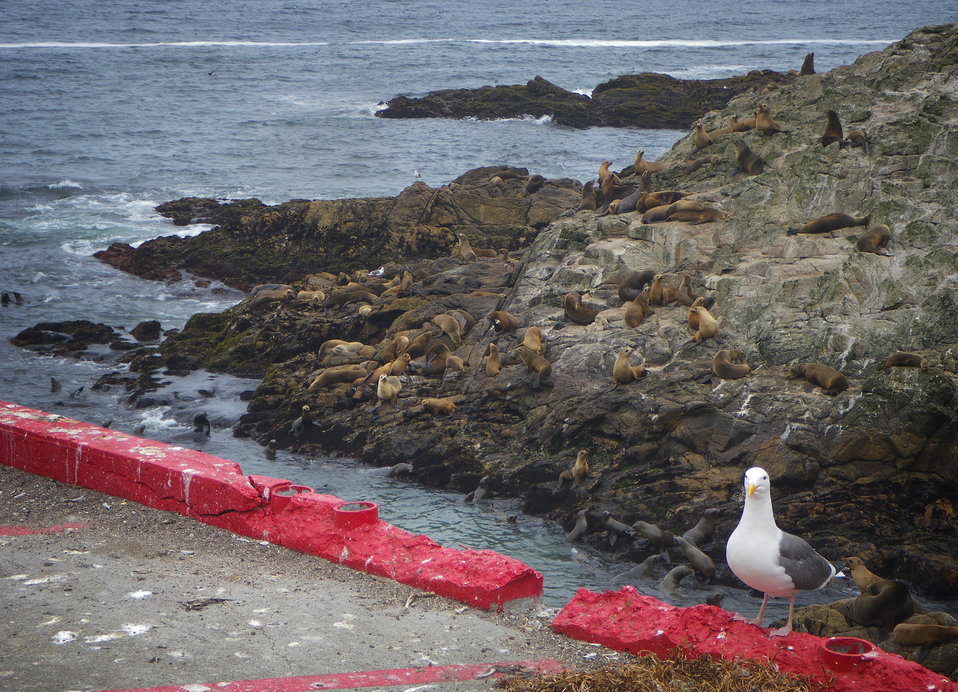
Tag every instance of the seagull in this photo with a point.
(416, 174)
(768, 559)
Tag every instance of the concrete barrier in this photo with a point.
(215, 491)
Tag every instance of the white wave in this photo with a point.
(163, 44)
(583, 92)
(181, 231)
(708, 71)
(64, 184)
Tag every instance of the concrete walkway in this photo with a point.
(104, 594)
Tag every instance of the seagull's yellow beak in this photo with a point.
(751, 489)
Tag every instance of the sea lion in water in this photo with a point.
(576, 311)
(581, 526)
(828, 378)
(860, 574)
(637, 310)
(670, 582)
(905, 360)
(577, 471)
(615, 527)
(700, 534)
(536, 363)
(700, 561)
(479, 492)
(641, 570)
(493, 362)
(659, 540)
(388, 389)
(708, 325)
(829, 223)
(269, 451)
(874, 239)
(808, 66)
(723, 364)
(623, 372)
(764, 122)
(883, 604)
(400, 469)
(504, 320)
(631, 286)
(833, 130)
(748, 160)
(588, 202)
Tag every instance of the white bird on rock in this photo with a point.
(768, 559)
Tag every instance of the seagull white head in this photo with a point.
(756, 481)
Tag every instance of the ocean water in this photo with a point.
(110, 107)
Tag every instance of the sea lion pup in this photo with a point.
(659, 540)
(581, 525)
(299, 425)
(642, 166)
(905, 360)
(660, 294)
(503, 320)
(463, 249)
(400, 469)
(712, 159)
(450, 327)
(536, 363)
(588, 202)
(631, 286)
(912, 634)
(623, 372)
(435, 362)
(394, 347)
(723, 364)
(269, 451)
(641, 570)
(455, 364)
(833, 130)
(670, 582)
(860, 574)
(700, 534)
(534, 183)
(435, 406)
(479, 492)
(533, 341)
(748, 160)
(657, 199)
(828, 378)
(829, 223)
(399, 365)
(708, 325)
(576, 311)
(808, 66)
(337, 375)
(745, 125)
(578, 470)
(493, 362)
(695, 217)
(637, 310)
(702, 138)
(700, 561)
(687, 294)
(858, 138)
(388, 389)
(657, 214)
(874, 239)
(764, 122)
(605, 174)
(883, 604)
(417, 347)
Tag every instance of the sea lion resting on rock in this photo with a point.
(764, 122)
(504, 320)
(833, 130)
(641, 166)
(708, 325)
(874, 239)
(748, 160)
(828, 378)
(830, 222)
(724, 366)
(588, 202)
(637, 310)
(660, 294)
(576, 311)
(697, 216)
(858, 138)
(445, 405)
(388, 389)
(536, 363)
(910, 634)
(712, 159)
(533, 340)
(577, 471)
(623, 372)
(631, 286)
(883, 604)
(337, 375)
(493, 362)
(450, 327)
(905, 360)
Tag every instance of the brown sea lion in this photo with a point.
(642, 166)
(829, 223)
(905, 360)
(623, 372)
(670, 582)
(657, 214)
(687, 294)
(576, 311)
(637, 310)
(606, 174)
(693, 318)
(723, 364)
(858, 138)
(883, 604)
(708, 325)
(745, 125)
(479, 492)
(639, 572)
(588, 202)
(503, 320)
(578, 470)
(700, 534)
(337, 375)
(874, 239)
(445, 405)
(345, 297)
(716, 135)
(695, 217)
(860, 574)
(387, 391)
(808, 66)
(536, 363)
(455, 364)
(399, 365)
(417, 347)
(748, 160)
(659, 540)
(581, 524)
(450, 327)
(463, 249)
(631, 286)
(493, 362)
(700, 561)
(532, 340)
(394, 347)
(702, 138)
(833, 130)
(534, 183)
(910, 634)
(711, 159)
(626, 204)
(660, 294)
(435, 363)
(828, 378)
(764, 122)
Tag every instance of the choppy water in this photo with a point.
(109, 107)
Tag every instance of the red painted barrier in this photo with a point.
(216, 492)
(627, 621)
(28, 530)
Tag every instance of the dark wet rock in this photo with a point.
(72, 336)
(148, 330)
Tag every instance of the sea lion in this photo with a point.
(631, 286)
(905, 360)
(711, 159)
(269, 451)
(748, 160)
(723, 364)
(615, 528)
(695, 217)
(660, 294)
(687, 294)
(828, 378)
(883, 604)
(578, 470)
(581, 526)
(860, 574)
(708, 325)
(435, 361)
(305, 418)
(536, 363)
(670, 582)
(645, 181)
(55, 385)
(400, 469)
(637, 310)
(310, 296)
(716, 135)
(455, 364)
(533, 341)
(503, 320)
(829, 223)
(640, 571)
(588, 202)
(745, 124)
(417, 347)
(399, 365)
(534, 183)
(910, 634)
(387, 391)
(337, 375)
(576, 311)
(450, 327)
(874, 239)
(858, 138)
(642, 166)
(700, 534)
(463, 249)
(394, 347)
(700, 561)
(764, 122)
(659, 540)
(657, 214)
(833, 130)
(657, 199)
(605, 174)
(345, 349)
(341, 298)
(479, 492)
(626, 204)
(624, 372)
(702, 138)
(434, 405)
(493, 362)
(808, 66)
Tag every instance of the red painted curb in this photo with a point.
(627, 621)
(27, 530)
(216, 492)
(373, 678)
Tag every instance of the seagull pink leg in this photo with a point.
(757, 620)
(782, 631)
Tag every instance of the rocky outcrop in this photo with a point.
(648, 100)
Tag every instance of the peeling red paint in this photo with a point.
(627, 621)
(29, 530)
